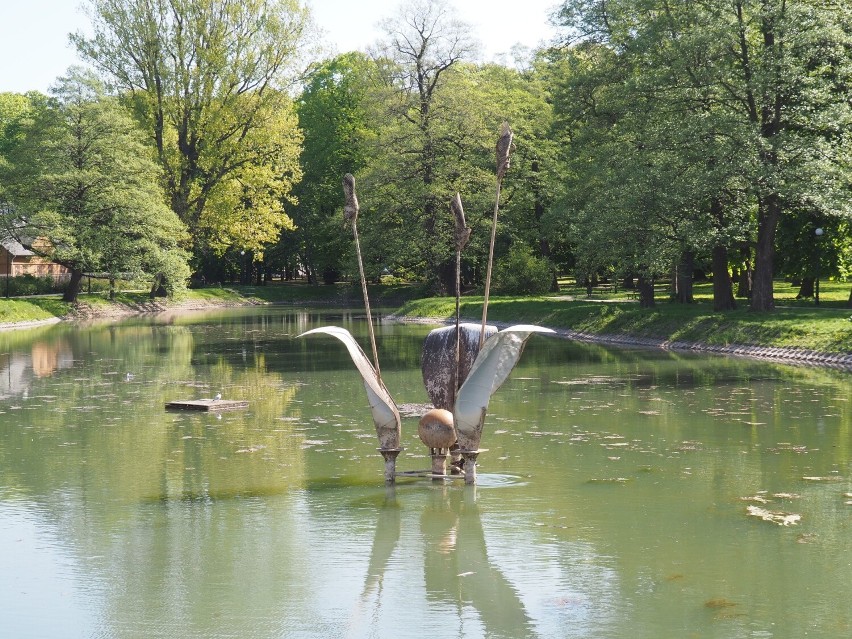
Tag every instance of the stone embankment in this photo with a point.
(841, 361)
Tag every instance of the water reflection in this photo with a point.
(611, 500)
(18, 368)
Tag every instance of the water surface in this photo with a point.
(620, 495)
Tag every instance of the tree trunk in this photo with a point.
(806, 288)
(646, 292)
(157, 287)
(849, 303)
(685, 268)
(723, 290)
(769, 212)
(744, 281)
(112, 288)
(74, 286)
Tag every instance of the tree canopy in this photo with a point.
(83, 188)
(209, 81)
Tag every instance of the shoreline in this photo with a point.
(801, 357)
(83, 312)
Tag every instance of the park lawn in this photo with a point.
(794, 324)
(32, 309)
(823, 329)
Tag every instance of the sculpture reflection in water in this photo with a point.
(461, 369)
(457, 571)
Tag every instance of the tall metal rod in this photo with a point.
(458, 334)
(350, 214)
(504, 147)
(366, 299)
(462, 235)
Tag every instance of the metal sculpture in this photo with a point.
(461, 370)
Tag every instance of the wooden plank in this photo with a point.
(206, 404)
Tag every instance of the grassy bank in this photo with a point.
(795, 324)
(822, 329)
(31, 309)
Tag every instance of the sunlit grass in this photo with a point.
(794, 323)
(32, 309)
(825, 328)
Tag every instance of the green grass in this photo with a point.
(795, 323)
(32, 309)
(826, 328)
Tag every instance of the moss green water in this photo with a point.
(624, 492)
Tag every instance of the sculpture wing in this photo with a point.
(384, 410)
(495, 361)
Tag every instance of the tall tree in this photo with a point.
(767, 75)
(209, 80)
(423, 44)
(84, 190)
(333, 119)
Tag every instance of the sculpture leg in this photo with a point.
(390, 455)
(470, 466)
(439, 463)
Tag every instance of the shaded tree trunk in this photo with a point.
(646, 292)
(745, 276)
(806, 288)
(683, 278)
(762, 298)
(543, 244)
(723, 290)
(74, 286)
(849, 303)
(158, 288)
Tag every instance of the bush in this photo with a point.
(522, 273)
(32, 285)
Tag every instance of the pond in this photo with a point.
(624, 493)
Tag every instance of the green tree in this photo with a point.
(333, 119)
(417, 147)
(764, 77)
(84, 189)
(208, 79)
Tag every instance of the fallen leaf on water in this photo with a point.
(251, 449)
(776, 517)
(721, 602)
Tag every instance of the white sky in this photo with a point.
(34, 47)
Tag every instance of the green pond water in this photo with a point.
(624, 494)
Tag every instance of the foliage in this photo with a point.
(31, 285)
(685, 118)
(522, 273)
(83, 189)
(333, 120)
(208, 79)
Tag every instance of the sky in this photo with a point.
(34, 48)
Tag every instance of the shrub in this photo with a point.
(32, 285)
(522, 273)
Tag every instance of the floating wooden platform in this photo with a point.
(206, 404)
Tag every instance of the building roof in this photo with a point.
(14, 247)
